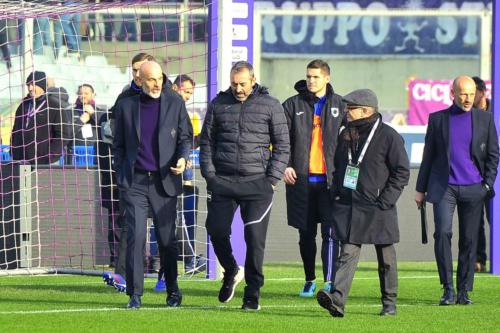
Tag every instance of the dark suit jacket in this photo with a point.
(174, 134)
(435, 166)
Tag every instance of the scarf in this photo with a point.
(357, 132)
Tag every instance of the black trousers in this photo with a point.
(387, 272)
(319, 211)
(114, 228)
(468, 199)
(255, 201)
(147, 192)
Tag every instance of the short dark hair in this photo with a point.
(182, 78)
(241, 65)
(480, 84)
(85, 85)
(321, 64)
(142, 56)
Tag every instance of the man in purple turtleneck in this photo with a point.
(151, 145)
(458, 169)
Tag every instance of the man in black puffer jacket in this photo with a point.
(242, 169)
(314, 118)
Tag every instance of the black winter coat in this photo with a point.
(299, 112)
(368, 214)
(107, 179)
(236, 138)
(38, 139)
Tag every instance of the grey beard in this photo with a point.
(150, 94)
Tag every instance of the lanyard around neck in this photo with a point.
(32, 111)
(365, 147)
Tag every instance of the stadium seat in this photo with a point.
(69, 60)
(83, 156)
(96, 61)
(43, 59)
(5, 157)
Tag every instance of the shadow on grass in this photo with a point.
(53, 301)
(64, 288)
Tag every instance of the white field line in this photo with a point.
(215, 307)
(151, 280)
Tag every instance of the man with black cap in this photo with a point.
(37, 135)
(371, 169)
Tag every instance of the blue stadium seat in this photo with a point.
(83, 156)
(5, 157)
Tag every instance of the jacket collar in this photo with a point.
(256, 91)
(301, 88)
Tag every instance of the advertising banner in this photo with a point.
(371, 35)
(427, 96)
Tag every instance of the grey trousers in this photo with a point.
(387, 272)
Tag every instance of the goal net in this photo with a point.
(59, 205)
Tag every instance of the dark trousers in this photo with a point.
(114, 229)
(255, 201)
(120, 266)
(481, 237)
(319, 211)
(469, 202)
(387, 272)
(147, 192)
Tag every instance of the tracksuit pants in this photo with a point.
(319, 211)
(255, 200)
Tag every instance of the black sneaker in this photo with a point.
(250, 305)
(229, 284)
(174, 299)
(325, 299)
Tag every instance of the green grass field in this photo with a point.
(84, 304)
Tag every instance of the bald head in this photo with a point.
(463, 92)
(151, 77)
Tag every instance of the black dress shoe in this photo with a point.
(174, 299)
(134, 302)
(327, 301)
(388, 311)
(463, 298)
(448, 297)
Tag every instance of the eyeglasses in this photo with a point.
(354, 107)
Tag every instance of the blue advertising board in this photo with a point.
(372, 35)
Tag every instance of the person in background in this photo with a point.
(38, 134)
(481, 102)
(193, 263)
(3, 44)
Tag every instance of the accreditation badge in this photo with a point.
(351, 176)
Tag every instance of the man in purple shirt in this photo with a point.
(458, 169)
(151, 145)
